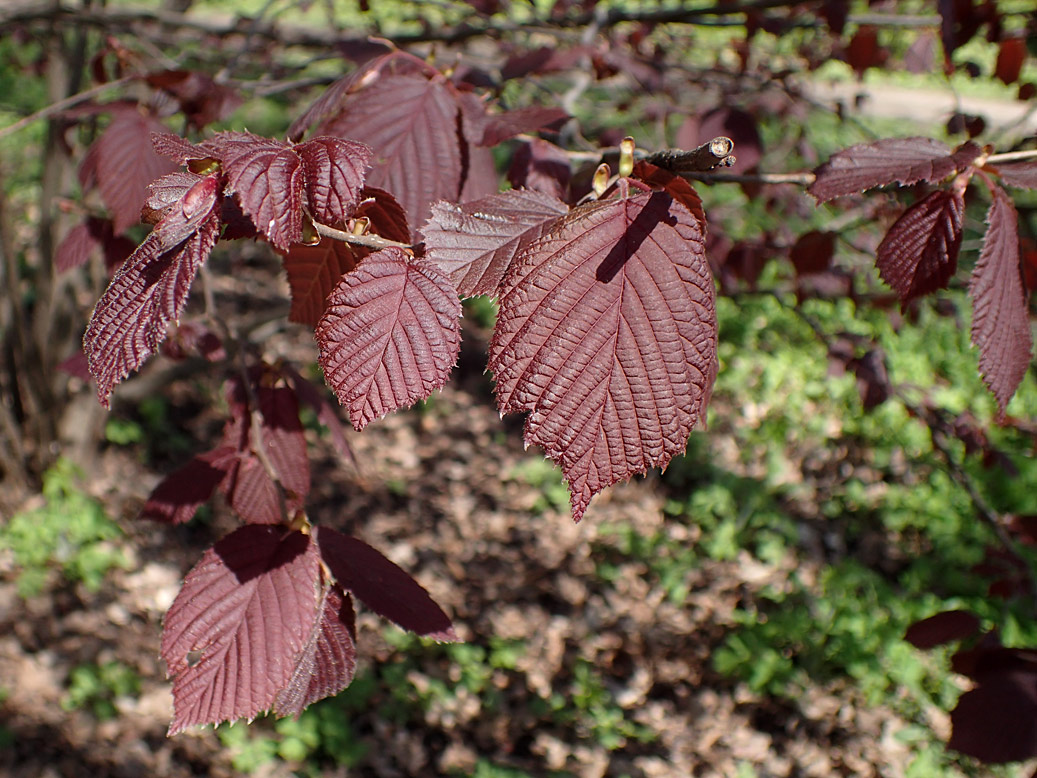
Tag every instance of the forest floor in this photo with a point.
(585, 664)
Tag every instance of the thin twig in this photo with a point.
(1013, 156)
(61, 105)
(371, 241)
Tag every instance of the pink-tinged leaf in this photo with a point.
(390, 335)
(267, 176)
(327, 662)
(475, 243)
(121, 163)
(250, 487)
(478, 173)
(411, 123)
(180, 494)
(919, 254)
(942, 628)
(335, 171)
(1000, 315)
(87, 238)
(148, 291)
(541, 165)
(497, 128)
(607, 335)
(313, 271)
(901, 160)
(165, 192)
(233, 635)
(382, 586)
(1022, 175)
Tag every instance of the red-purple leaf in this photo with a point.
(676, 187)
(121, 163)
(388, 219)
(1000, 315)
(390, 335)
(233, 635)
(335, 171)
(411, 123)
(812, 252)
(180, 494)
(90, 236)
(1021, 174)
(327, 662)
(541, 165)
(178, 149)
(1010, 58)
(313, 271)
(201, 99)
(607, 336)
(497, 128)
(316, 399)
(267, 176)
(382, 586)
(902, 160)
(942, 628)
(475, 243)
(150, 290)
(919, 254)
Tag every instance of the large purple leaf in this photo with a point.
(607, 335)
(902, 160)
(919, 254)
(1000, 316)
(121, 163)
(335, 171)
(313, 271)
(381, 585)
(475, 243)
(233, 635)
(411, 123)
(150, 289)
(180, 494)
(327, 662)
(390, 335)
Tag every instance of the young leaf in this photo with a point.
(919, 254)
(390, 335)
(1022, 174)
(233, 635)
(1000, 316)
(335, 171)
(607, 336)
(327, 662)
(180, 494)
(902, 160)
(382, 586)
(151, 288)
(412, 124)
(475, 243)
(121, 163)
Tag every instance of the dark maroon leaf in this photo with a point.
(121, 163)
(497, 128)
(327, 662)
(267, 177)
(151, 288)
(541, 165)
(919, 254)
(475, 243)
(387, 217)
(234, 633)
(607, 336)
(1021, 174)
(313, 271)
(676, 187)
(335, 171)
(1000, 315)
(411, 123)
(87, 238)
(863, 50)
(180, 494)
(902, 160)
(390, 335)
(178, 149)
(75, 366)
(194, 338)
(942, 628)
(812, 252)
(382, 586)
(997, 721)
(201, 99)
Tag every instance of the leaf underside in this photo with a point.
(390, 335)
(607, 337)
(1000, 317)
(919, 254)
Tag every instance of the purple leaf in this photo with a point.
(382, 586)
(390, 335)
(1000, 314)
(902, 160)
(475, 243)
(180, 494)
(541, 165)
(327, 662)
(335, 171)
(151, 288)
(1022, 175)
(90, 236)
(313, 271)
(233, 635)
(607, 337)
(942, 628)
(919, 254)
